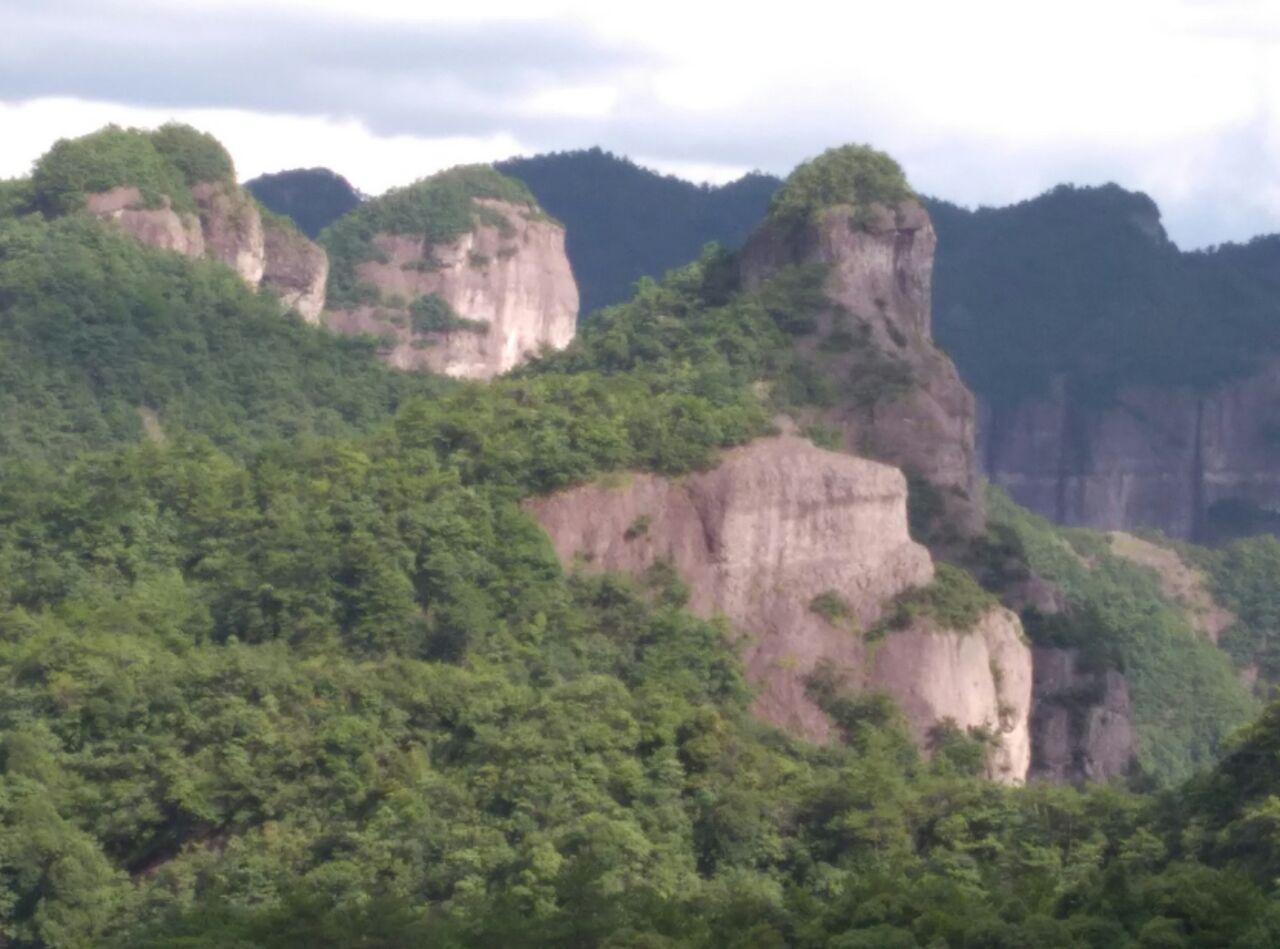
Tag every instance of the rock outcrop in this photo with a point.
(294, 268)
(776, 524)
(160, 227)
(1082, 723)
(1153, 457)
(900, 397)
(229, 228)
(507, 279)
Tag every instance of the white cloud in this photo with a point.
(986, 101)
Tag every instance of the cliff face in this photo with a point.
(776, 524)
(513, 278)
(296, 269)
(228, 228)
(902, 400)
(1153, 457)
(1082, 727)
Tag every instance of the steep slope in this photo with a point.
(625, 222)
(461, 273)
(850, 216)
(99, 334)
(764, 538)
(313, 198)
(1124, 383)
(174, 189)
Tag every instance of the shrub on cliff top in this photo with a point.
(197, 155)
(108, 158)
(438, 209)
(857, 175)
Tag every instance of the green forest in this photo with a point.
(283, 662)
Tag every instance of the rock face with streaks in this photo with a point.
(1082, 725)
(776, 524)
(1152, 457)
(228, 227)
(899, 397)
(507, 280)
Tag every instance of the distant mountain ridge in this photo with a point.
(625, 221)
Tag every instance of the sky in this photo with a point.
(984, 102)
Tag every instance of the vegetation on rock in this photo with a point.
(436, 210)
(854, 175)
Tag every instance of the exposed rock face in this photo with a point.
(229, 228)
(880, 275)
(158, 227)
(515, 279)
(1154, 457)
(1082, 724)
(757, 538)
(232, 229)
(296, 269)
(981, 678)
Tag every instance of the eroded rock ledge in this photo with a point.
(774, 525)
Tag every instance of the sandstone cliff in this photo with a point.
(1152, 457)
(228, 227)
(900, 397)
(506, 283)
(776, 524)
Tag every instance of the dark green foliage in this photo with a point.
(17, 197)
(832, 607)
(197, 155)
(438, 209)
(312, 197)
(1082, 282)
(854, 175)
(431, 313)
(1118, 616)
(623, 222)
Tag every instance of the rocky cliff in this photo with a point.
(1082, 725)
(226, 227)
(499, 292)
(899, 398)
(1168, 458)
(777, 524)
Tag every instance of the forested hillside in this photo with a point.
(625, 222)
(293, 668)
(313, 197)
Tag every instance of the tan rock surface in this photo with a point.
(774, 525)
(515, 279)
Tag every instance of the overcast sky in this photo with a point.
(983, 101)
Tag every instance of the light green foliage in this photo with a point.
(854, 175)
(96, 326)
(17, 196)
(109, 158)
(953, 600)
(438, 209)
(197, 155)
(1186, 697)
(327, 685)
(1246, 579)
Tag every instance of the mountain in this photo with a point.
(606, 650)
(1124, 383)
(625, 222)
(312, 197)
(461, 273)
